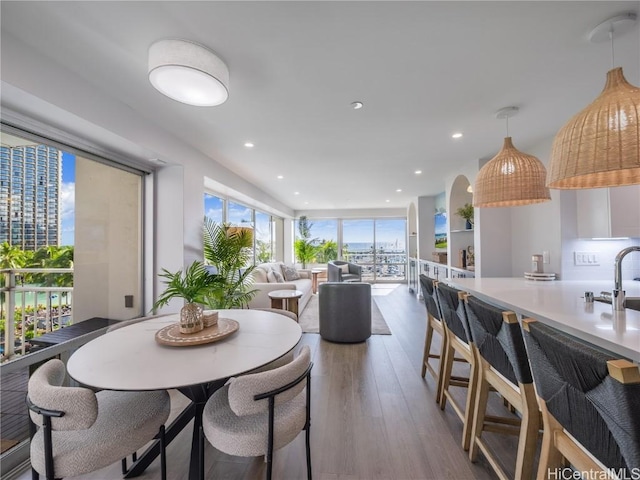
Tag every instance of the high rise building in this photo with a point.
(30, 181)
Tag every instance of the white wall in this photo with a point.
(107, 253)
(537, 228)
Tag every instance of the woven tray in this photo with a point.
(170, 335)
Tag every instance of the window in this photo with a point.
(221, 210)
(263, 238)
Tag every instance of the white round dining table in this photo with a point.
(130, 358)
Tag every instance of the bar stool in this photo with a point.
(457, 342)
(434, 324)
(502, 365)
(590, 404)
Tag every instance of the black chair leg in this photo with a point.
(163, 454)
(308, 448)
(201, 453)
(123, 462)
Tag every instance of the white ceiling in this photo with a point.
(424, 70)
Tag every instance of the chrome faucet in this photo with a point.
(618, 299)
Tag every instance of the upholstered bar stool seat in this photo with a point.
(502, 364)
(590, 403)
(457, 342)
(345, 312)
(434, 324)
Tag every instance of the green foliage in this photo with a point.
(194, 285)
(305, 247)
(229, 250)
(327, 251)
(11, 256)
(263, 251)
(466, 212)
(305, 251)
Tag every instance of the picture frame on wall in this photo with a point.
(440, 220)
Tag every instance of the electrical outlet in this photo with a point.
(545, 256)
(586, 259)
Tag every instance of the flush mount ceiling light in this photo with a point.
(456, 135)
(600, 146)
(511, 178)
(188, 72)
(249, 145)
(418, 172)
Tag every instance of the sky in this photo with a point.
(68, 198)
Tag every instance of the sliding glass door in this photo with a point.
(378, 245)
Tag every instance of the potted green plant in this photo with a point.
(194, 285)
(228, 251)
(466, 212)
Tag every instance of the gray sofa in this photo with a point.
(261, 283)
(345, 312)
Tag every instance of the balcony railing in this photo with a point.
(28, 310)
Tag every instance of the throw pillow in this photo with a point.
(271, 277)
(279, 277)
(290, 273)
(344, 268)
(259, 275)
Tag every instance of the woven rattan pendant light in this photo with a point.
(600, 146)
(511, 178)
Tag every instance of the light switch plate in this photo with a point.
(586, 259)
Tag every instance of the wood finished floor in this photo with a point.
(373, 416)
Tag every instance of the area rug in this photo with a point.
(309, 318)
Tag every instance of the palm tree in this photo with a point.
(305, 247)
(11, 256)
(327, 251)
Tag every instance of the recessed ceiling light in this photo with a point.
(398, 190)
(456, 135)
(387, 200)
(357, 105)
(296, 193)
(249, 145)
(279, 177)
(306, 203)
(418, 172)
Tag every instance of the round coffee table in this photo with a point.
(280, 298)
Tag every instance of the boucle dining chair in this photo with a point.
(590, 403)
(255, 414)
(434, 324)
(457, 342)
(80, 431)
(502, 365)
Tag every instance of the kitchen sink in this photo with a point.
(631, 302)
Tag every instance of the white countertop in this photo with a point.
(129, 358)
(560, 304)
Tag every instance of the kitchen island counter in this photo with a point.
(561, 304)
